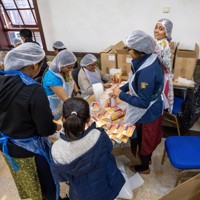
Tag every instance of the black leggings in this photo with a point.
(47, 184)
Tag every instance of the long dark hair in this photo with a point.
(76, 113)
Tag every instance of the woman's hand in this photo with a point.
(116, 92)
(107, 85)
(58, 124)
(111, 78)
(60, 92)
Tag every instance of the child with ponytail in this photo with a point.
(84, 158)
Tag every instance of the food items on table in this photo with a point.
(115, 112)
(95, 106)
(120, 132)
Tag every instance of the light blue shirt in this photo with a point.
(51, 80)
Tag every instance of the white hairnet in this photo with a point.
(58, 45)
(167, 24)
(63, 59)
(26, 54)
(141, 42)
(87, 60)
(17, 41)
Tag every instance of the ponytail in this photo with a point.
(75, 113)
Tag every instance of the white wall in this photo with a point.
(93, 25)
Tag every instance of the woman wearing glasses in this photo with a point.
(143, 95)
(90, 74)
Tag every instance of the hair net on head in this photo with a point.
(87, 60)
(141, 42)
(63, 59)
(167, 24)
(17, 41)
(58, 45)
(26, 54)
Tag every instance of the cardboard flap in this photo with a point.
(119, 46)
(107, 50)
(121, 51)
(188, 53)
(188, 190)
(185, 62)
(197, 50)
(172, 45)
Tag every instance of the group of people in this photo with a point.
(83, 157)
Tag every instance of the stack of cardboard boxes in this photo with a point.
(115, 56)
(185, 62)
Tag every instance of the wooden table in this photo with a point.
(90, 99)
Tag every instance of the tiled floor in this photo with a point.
(159, 182)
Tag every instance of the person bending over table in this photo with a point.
(58, 82)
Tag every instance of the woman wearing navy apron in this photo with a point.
(143, 95)
(26, 121)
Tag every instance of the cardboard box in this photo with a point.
(189, 190)
(108, 60)
(124, 63)
(109, 57)
(115, 56)
(124, 60)
(185, 62)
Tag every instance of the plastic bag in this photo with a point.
(131, 183)
(56, 105)
(190, 111)
(126, 191)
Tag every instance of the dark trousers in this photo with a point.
(48, 186)
(137, 143)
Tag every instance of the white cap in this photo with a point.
(23, 55)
